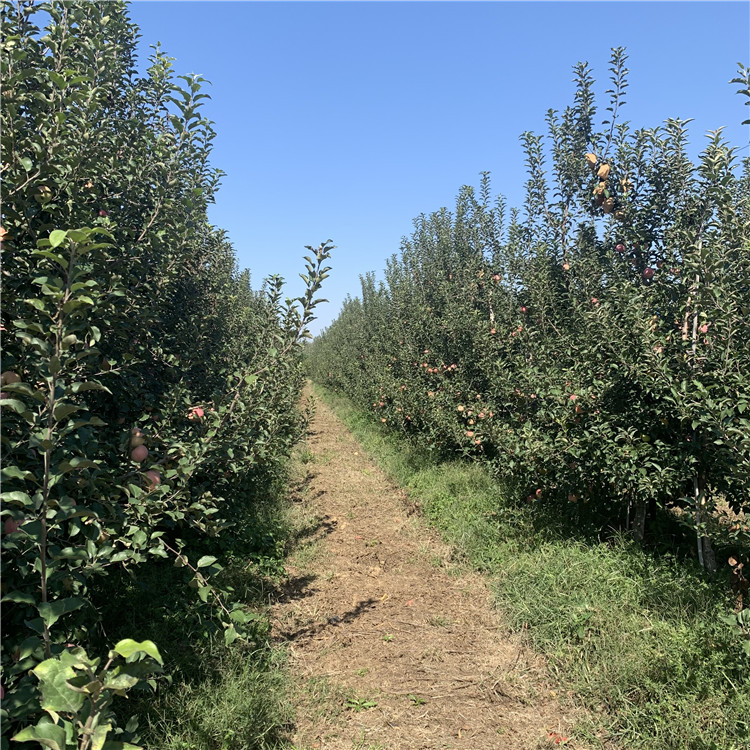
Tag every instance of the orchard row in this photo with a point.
(594, 347)
(147, 390)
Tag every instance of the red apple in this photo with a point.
(139, 453)
(648, 273)
(137, 437)
(154, 479)
(9, 377)
(11, 526)
(620, 247)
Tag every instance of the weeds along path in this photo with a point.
(392, 645)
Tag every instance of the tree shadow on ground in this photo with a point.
(309, 631)
(323, 526)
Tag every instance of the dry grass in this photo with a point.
(383, 612)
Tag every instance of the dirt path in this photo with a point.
(393, 646)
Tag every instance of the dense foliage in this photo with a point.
(146, 388)
(593, 347)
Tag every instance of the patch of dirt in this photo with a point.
(391, 644)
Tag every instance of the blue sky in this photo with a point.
(346, 120)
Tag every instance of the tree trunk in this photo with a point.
(638, 528)
(709, 559)
(706, 556)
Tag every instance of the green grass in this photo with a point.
(637, 636)
(323, 699)
(241, 706)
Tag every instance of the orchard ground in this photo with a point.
(395, 643)
(637, 652)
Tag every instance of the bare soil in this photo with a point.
(393, 644)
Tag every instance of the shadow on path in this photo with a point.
(310, 631)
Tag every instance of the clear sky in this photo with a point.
(346, 120)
